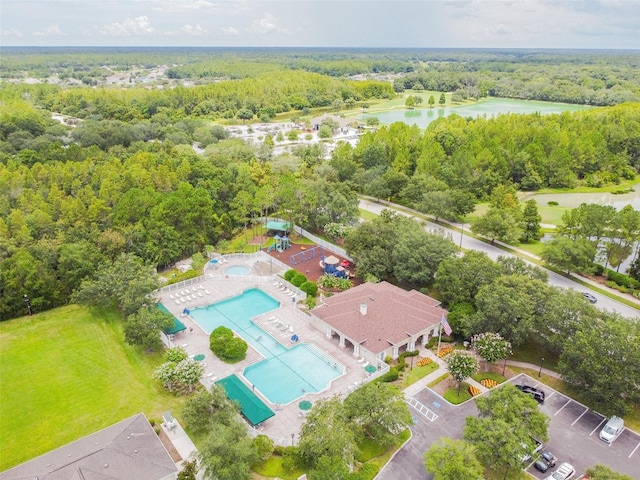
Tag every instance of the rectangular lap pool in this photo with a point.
(285, 374)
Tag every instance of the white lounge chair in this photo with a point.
(171, 296)
(199, 294)
(200, 287)
(178, 301)
(207, 292)
(194, 289)
(361, 359)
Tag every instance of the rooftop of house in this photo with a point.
(379, 315)
(128, 449)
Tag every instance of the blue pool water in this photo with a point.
(285, 373)
(237, 270)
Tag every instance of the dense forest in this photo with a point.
(572, 76)
(126, 177)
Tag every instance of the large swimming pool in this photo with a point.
(285, 374)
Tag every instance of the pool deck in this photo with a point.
(195, 340)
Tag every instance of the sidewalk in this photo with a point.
(416, 387)
(181, 442)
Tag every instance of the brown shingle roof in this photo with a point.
(392, 314)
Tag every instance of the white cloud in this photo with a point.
(130, 27)
(266, 26)
(230, 31)
(50, 31)
(10, 32)
(200, 6)
(189, 30)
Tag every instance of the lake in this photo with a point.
(574, 200)
(488, 107)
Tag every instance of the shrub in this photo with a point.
(487, 382)
(424, 361)
(553, 203)
(227, 347)
(298, 279)
(236, 349)
(622, 280)
(390, 376)
(310, 288)
(263, 446)
(175, 355)
(310, 302)
(288, 275)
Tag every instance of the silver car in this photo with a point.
(564, 472)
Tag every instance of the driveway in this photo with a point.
(573, 435)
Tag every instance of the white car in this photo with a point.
(612, 429)
(564, 472)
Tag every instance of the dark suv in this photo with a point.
(538, 395)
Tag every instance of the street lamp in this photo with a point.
(27, 303)
(504, 367)
(292, 435)
(540, 371)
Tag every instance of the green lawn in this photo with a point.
(67, 373)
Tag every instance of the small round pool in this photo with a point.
(237, 270)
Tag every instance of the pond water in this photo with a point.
(488, 107)
(574, 200)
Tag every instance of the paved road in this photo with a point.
(470, 243)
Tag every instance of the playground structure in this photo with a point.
(281, 244)
(305, 255)
(331, 266)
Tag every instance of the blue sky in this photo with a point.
(310, 23)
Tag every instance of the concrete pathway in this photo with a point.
(181, 442)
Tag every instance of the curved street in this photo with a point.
(470, 243)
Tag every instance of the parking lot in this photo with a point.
(573, 435)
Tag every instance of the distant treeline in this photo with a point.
(572, 76)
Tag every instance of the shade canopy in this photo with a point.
(178, 326)
(281, 226)
(305, 405)
(331, 260)
(253, 409)
(199, 357)
(370, 369)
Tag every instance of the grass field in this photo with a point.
(67, 373)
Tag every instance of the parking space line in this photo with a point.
(562, 407)
(599, 425)
(634, 450)
(576, 420)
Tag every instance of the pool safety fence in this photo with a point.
(182, 285)
(327, 358)
(322, 243)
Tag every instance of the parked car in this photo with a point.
(564, 472)
(612, 429)
(546, 461)
(537, 394)
(589, 297)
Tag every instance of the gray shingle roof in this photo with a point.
(392, 314)
(129, 449)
